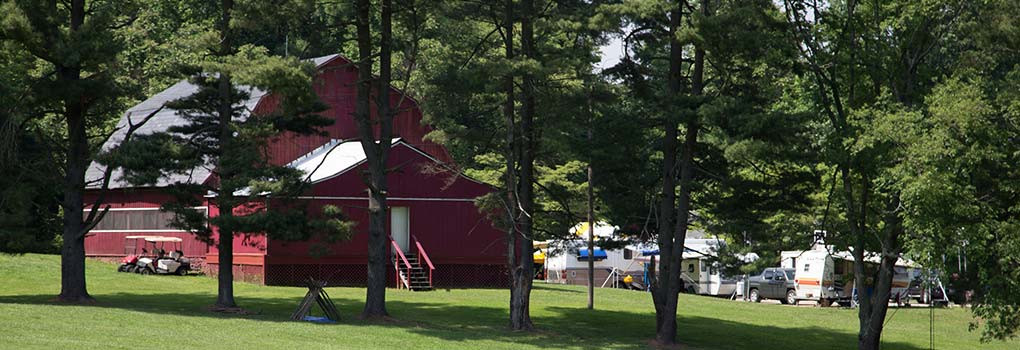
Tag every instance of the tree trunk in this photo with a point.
(664, 292)
(511, 155)
(673, 230)
(375, 293)
(225, 202)
(376, 147)
(523, 273)
(225, 276)
(72, 252)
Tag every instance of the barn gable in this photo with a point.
(334, 85)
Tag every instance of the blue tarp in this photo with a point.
(318, 319)
(649, 252)
(582, 254)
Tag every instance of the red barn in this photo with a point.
(435, 225)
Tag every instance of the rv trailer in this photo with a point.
(826, 276)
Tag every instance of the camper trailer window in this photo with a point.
(768, 274)
(807, 267)
(704, 268)
(628, 254)
(690, 268)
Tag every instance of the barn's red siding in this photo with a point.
(335, 86)
(466, 249)
(111, 244)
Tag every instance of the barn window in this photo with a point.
(628, 254)
(137, 220)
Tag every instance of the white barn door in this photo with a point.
(400, 227)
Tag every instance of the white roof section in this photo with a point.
(165, 119)
(331, 159)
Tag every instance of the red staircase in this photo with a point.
(414, 269)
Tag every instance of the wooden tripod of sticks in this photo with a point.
(316, 294)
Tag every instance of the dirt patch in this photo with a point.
(653, 344)
(230, 310)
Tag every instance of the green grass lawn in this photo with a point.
(169, 312)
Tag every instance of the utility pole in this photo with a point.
(591, 215)
(591, 244)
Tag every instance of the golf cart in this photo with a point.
(150, 255)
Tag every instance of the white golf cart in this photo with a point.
(159, 255)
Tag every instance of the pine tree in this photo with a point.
(79, 48)
(252, 195)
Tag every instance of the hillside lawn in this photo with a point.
(163, 312)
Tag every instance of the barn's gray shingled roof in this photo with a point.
(160, 122)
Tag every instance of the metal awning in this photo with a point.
(582, 254)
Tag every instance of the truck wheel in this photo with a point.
(753, 295)
(791, 297)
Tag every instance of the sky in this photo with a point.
(611, 53)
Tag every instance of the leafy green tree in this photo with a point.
(702, 81)
(78, 46)
(871, 67)
(958, 177)
(29, 193)
(506, 94)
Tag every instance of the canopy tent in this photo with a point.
(602, 229)
(539, 257)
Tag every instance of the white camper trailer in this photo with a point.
(826, 276)
(700, 274)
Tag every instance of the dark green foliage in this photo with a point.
(462, 65)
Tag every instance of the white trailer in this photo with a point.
(702, 275)
(826, 276)
(569, 264)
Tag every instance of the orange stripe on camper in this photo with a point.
(812, 282)
(807, 281)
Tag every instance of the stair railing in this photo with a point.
(397, 260)
(422, 255)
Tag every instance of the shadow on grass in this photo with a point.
(559, 327)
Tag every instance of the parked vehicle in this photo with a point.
(826, 276)
(155, 255)
(928, 292)
(773, 283)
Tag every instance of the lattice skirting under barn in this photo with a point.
(351, 275)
